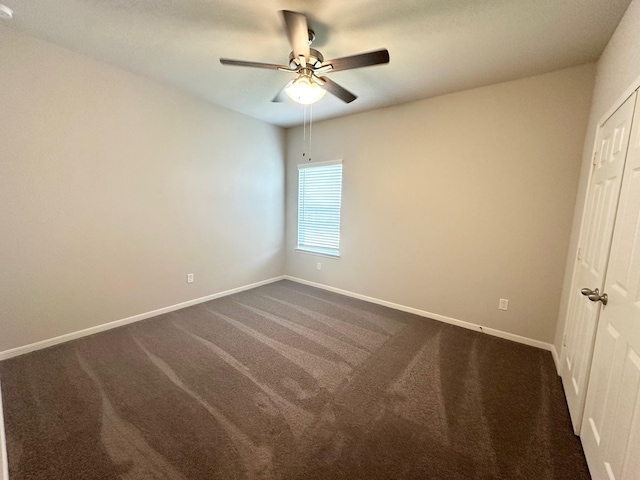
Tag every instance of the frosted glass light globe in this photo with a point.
(304, 90)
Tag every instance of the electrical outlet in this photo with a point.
(318, 266)
(504, 304)
(189, 277)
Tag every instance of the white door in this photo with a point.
(595, 243)
(611, 426)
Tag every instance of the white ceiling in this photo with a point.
(436, 46)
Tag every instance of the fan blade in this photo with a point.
(319, 80)
(242, 63)
(282, 94)
(340, 92)
(297, 31)
(358, 61)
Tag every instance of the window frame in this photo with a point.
(320, 251)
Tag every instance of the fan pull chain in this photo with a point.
(304, 131)
(310, 127)
(306, 147)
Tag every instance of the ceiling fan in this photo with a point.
(310, 84)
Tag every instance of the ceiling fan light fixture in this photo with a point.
(310, 66)
(304, 90)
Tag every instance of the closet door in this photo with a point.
(595, 243)
(611, 426)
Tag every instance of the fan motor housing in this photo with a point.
(315, 58)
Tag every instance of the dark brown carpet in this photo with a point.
(291, 382)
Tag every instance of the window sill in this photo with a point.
(320, 253)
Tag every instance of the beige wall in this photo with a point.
(454, 202)
(617, 69)
(113, 188)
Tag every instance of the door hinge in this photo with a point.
(564, 340)
(595, 155)
(579, 253)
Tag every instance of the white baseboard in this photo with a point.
(4, 461)
(453, 321)
(14, 352)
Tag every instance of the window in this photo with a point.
(319, 200)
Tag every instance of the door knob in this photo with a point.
(594, 295)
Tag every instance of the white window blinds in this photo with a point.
(319, 201)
